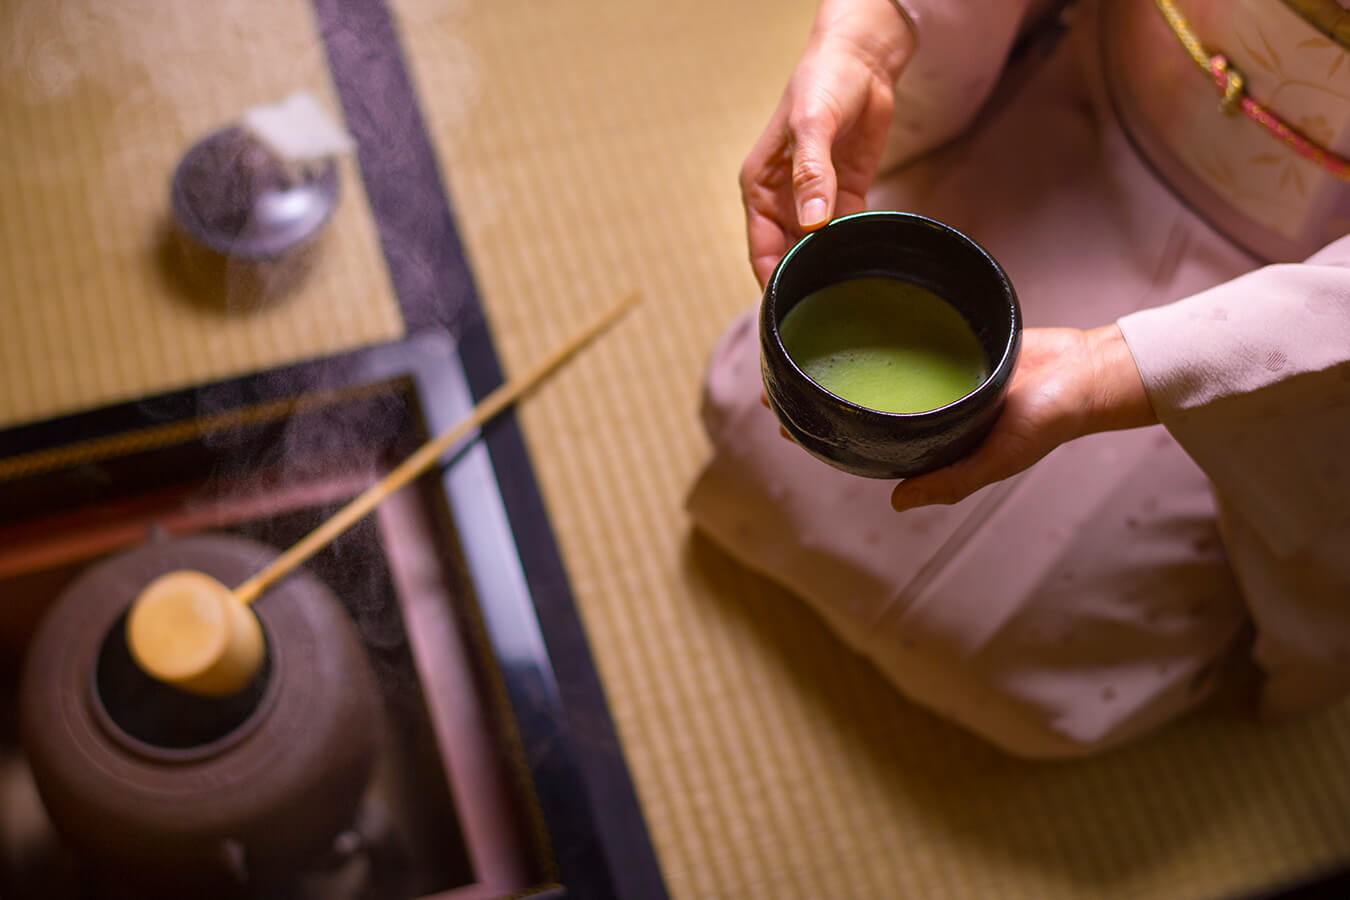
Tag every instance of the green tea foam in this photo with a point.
(885, 344)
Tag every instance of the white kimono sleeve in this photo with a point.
(1252, 378)
(960, 52)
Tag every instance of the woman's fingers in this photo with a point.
(767, 242)
(945, 486)
(782, 432)
(1047, 404)
(813, 128)
(766, 195)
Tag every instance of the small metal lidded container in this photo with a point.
(1251, 184)
(247, 225)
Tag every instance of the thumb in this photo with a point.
(813, 178)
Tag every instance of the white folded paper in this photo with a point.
(298, 132)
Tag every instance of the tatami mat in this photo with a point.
(97, 102)
(591, 147)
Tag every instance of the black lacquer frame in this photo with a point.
(597, 835)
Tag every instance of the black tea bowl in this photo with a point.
(923, 252)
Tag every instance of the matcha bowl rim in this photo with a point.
(906, 247)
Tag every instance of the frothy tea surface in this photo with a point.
(884, 344)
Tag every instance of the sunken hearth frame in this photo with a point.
(490, 643)
(584, 829)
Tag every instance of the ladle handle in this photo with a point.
(425, 456)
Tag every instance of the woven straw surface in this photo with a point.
(97, 102)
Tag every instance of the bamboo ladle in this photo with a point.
(191, 631)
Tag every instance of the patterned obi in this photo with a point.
(1243, 106)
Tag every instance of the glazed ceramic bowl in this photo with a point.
(921, 251)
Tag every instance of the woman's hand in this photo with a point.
(1068, 383)
(818, 155)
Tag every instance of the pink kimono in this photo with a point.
(1097, 595)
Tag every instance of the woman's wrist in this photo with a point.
(879, 31)
(1119, 399)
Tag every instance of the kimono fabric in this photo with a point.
(1097, 595)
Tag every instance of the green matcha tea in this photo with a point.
(884, 344)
